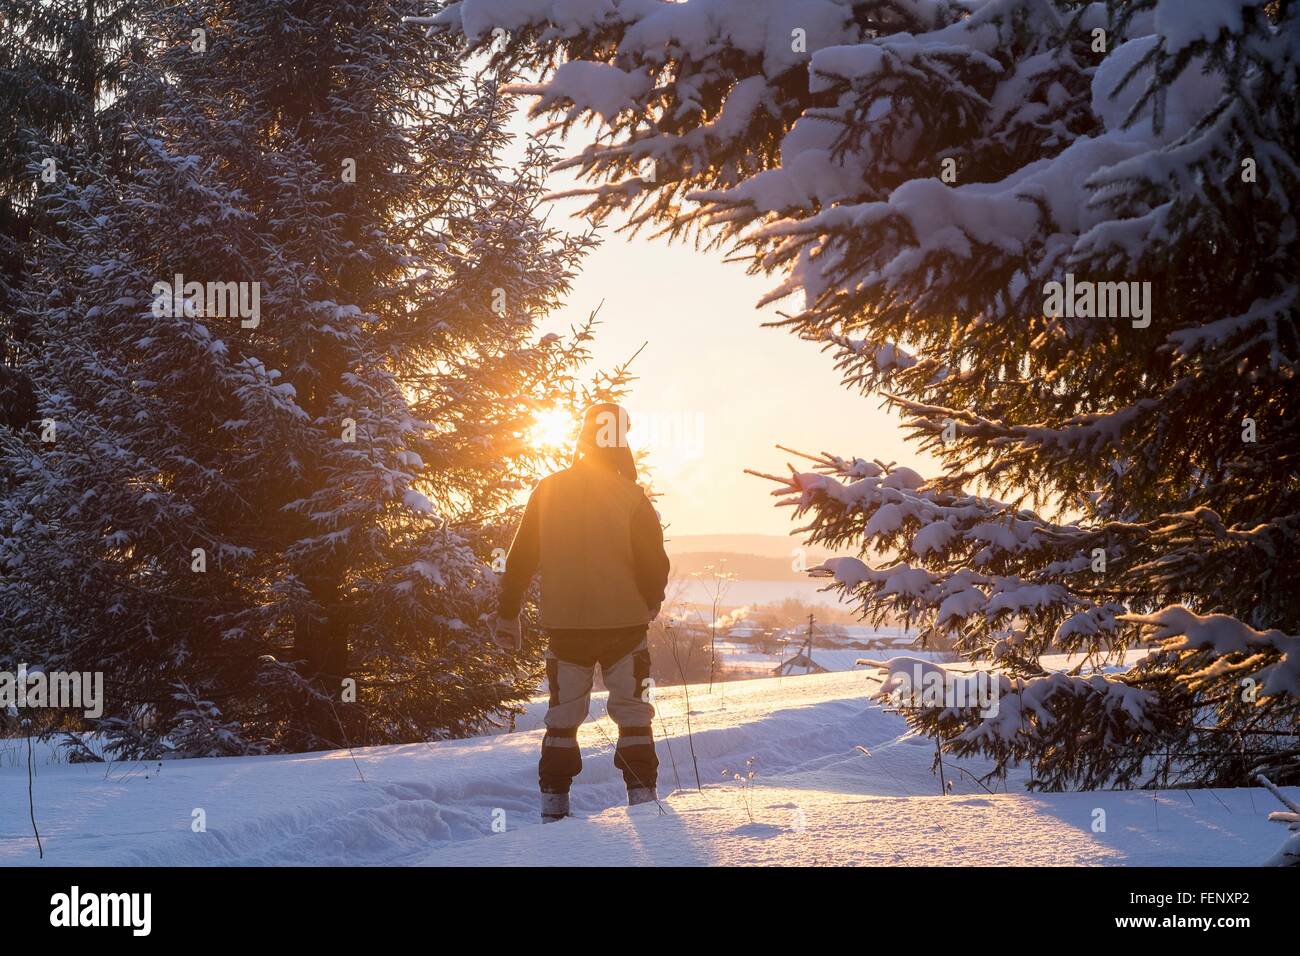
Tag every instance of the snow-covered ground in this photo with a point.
(814, 799)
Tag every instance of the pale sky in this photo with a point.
(716, 391)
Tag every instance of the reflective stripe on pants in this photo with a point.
(627, 680)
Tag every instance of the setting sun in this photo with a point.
(553, 428)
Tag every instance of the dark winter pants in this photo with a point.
(624, 661)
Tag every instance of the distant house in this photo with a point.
(801, 663)
(824, 660)
(906, 640)
(828, 648)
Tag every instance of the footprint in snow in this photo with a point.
(758, 831)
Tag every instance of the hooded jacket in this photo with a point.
(596, 541)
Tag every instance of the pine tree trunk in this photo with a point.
(321, 638)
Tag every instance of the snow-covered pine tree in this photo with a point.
(1118, 468)
(271, 489)
(61, 64)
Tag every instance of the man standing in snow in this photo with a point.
(596, 540)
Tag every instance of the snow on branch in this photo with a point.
(1271, 657)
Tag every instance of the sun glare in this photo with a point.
(552, 429)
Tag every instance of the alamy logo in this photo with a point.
(1098, 300)
(103, 909)
(215, 299)
(76, 690)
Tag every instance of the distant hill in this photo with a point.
(748, 567)
(762, 545)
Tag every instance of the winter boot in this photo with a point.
(555, 806)
(636, 795)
